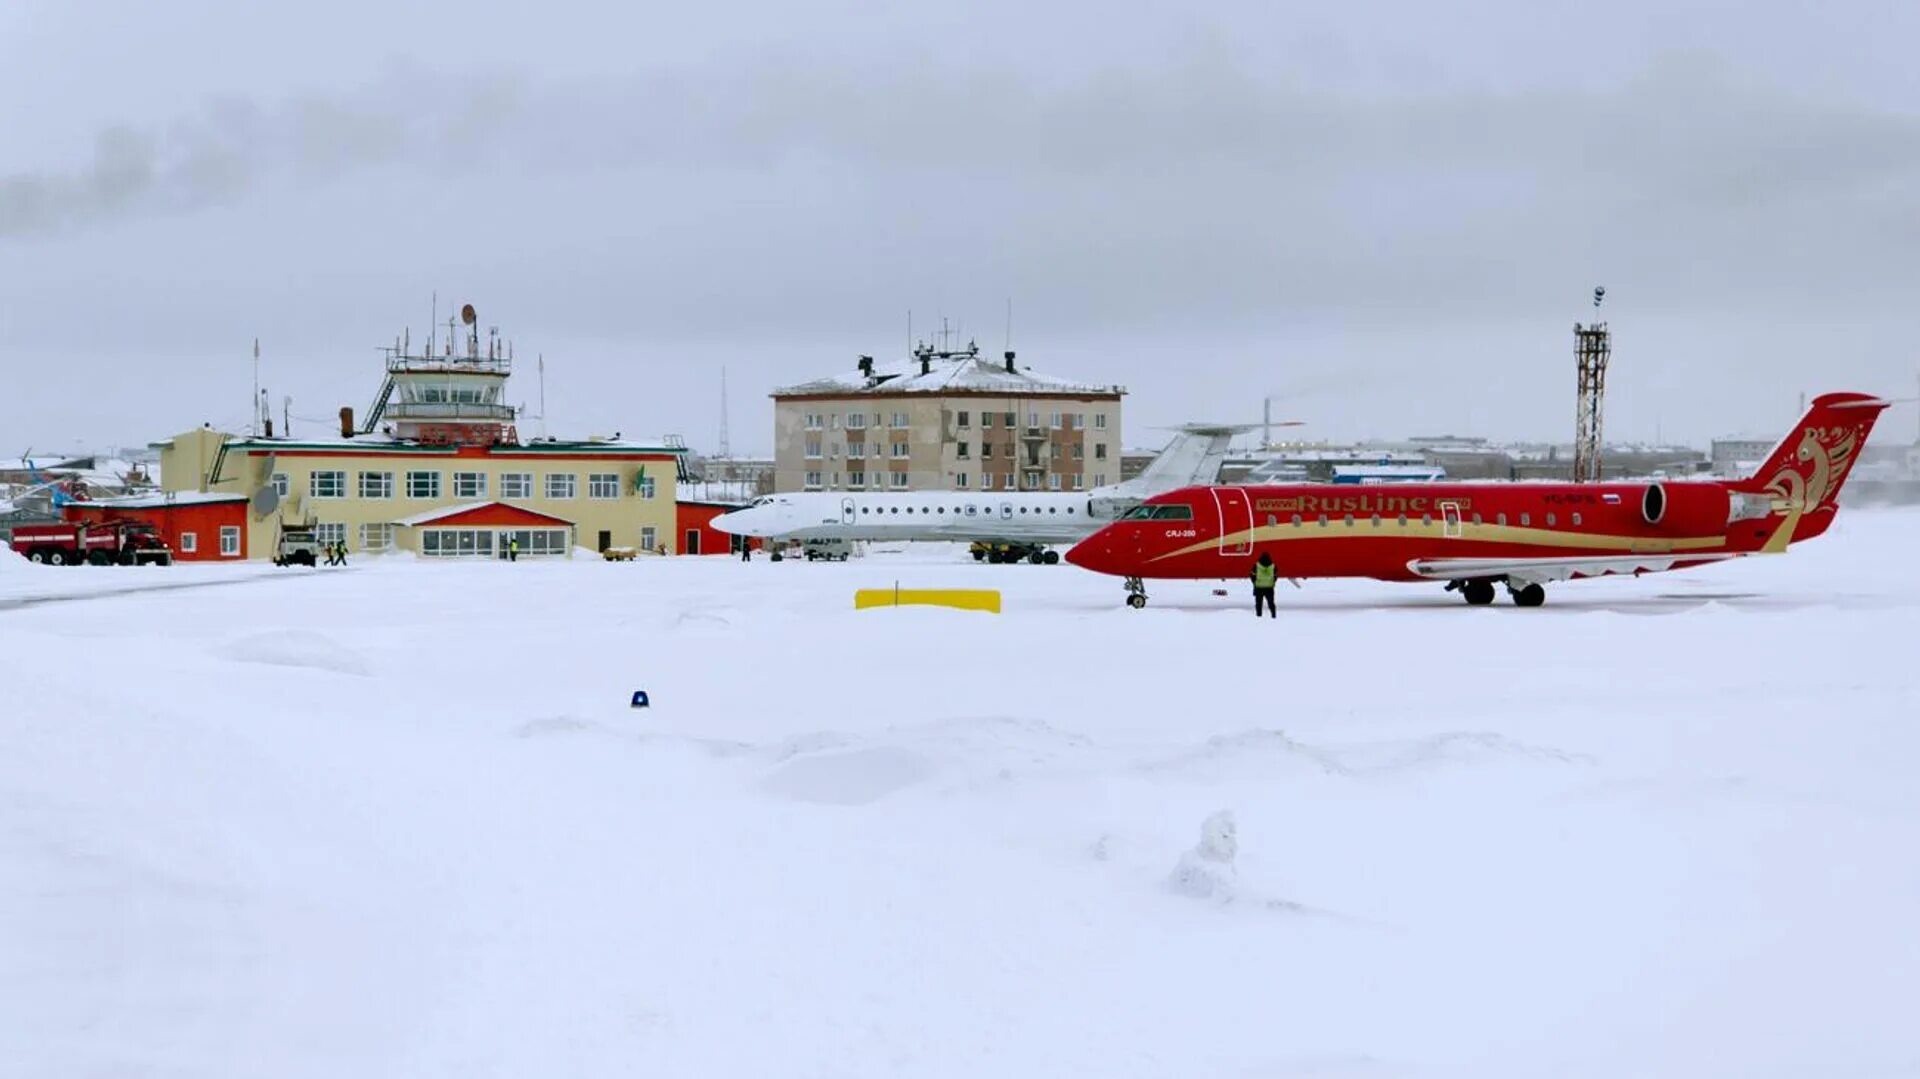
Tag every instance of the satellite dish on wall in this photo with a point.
(466, 314)
(264, 501)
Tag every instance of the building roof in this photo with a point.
(156, 500)
(482, 513)
(387, 443)
(933, 372)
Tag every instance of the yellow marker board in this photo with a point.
(966, 599)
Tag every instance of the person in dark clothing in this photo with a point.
(746, 551)
(1264, 574)
(340, 553)
(327, 549)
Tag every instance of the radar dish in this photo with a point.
(265, 501)
(466, 314)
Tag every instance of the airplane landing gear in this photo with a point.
(1527, 595)
(1477, 593)
(1136, 593)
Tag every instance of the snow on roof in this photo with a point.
(429, 516)
(158, 499)
(944, 371)
(382, 440)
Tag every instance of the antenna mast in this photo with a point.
(1592, 348)
(254, 427)
(726, 451)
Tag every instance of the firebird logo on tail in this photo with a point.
(1830, 452)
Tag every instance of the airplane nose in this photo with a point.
(1088, 554)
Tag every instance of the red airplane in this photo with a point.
(1474, 536)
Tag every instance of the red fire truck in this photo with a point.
(100, 543)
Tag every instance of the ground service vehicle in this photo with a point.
(99, 543)
(298, 545)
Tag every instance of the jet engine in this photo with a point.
(1688, 509)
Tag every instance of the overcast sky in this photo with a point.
(1387, 216)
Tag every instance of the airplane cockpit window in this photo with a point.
(1156, 513)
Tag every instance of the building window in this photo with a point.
(562, 484)
(516, 485)
(833, 421)
(960, 480)
(900, 448)
(986, 419)
(856, 421)
(376, 485)
(813, 479)
(813, 421)
(377, 537)
(604, 485)
(648, 540)
(328, 484)
(469, 485)
(1078, 451)
(423, 485)
(330, 533)
(1078, 481)
(189, 542)
(457, 542)
(1099, 419)
(1099, 479)
(538, 542)
(1053, 482)
(280, 485)
(1099, 451)
(962, 449)
(964, 418)
(856, 479)
(813, 447)
(899, 479)
(645, 486)
(229, 541)
(1054, 421)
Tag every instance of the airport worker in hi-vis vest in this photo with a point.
(1265, 573)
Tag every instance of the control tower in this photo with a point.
(453, 395)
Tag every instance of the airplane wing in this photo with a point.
(1543, 570)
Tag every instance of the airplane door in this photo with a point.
(1450, 520)
(1236, 520)
(846, 511)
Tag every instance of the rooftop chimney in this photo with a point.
(866, 366)
(1009, 361)
(346, 421)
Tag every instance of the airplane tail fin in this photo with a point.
(1193, 457)
(1804, 473)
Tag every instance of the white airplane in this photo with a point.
(1024, 521)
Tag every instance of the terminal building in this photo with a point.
(437, 467)
(946, 420)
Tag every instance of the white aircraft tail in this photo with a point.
(1193, 457)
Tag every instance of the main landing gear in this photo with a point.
(1479, 592)
(1136, 593)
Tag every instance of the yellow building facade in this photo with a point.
(377, 493)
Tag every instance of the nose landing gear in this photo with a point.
(1136, 593)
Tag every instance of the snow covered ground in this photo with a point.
(399, 820)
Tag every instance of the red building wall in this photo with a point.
(697, 518)
(174, 521)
